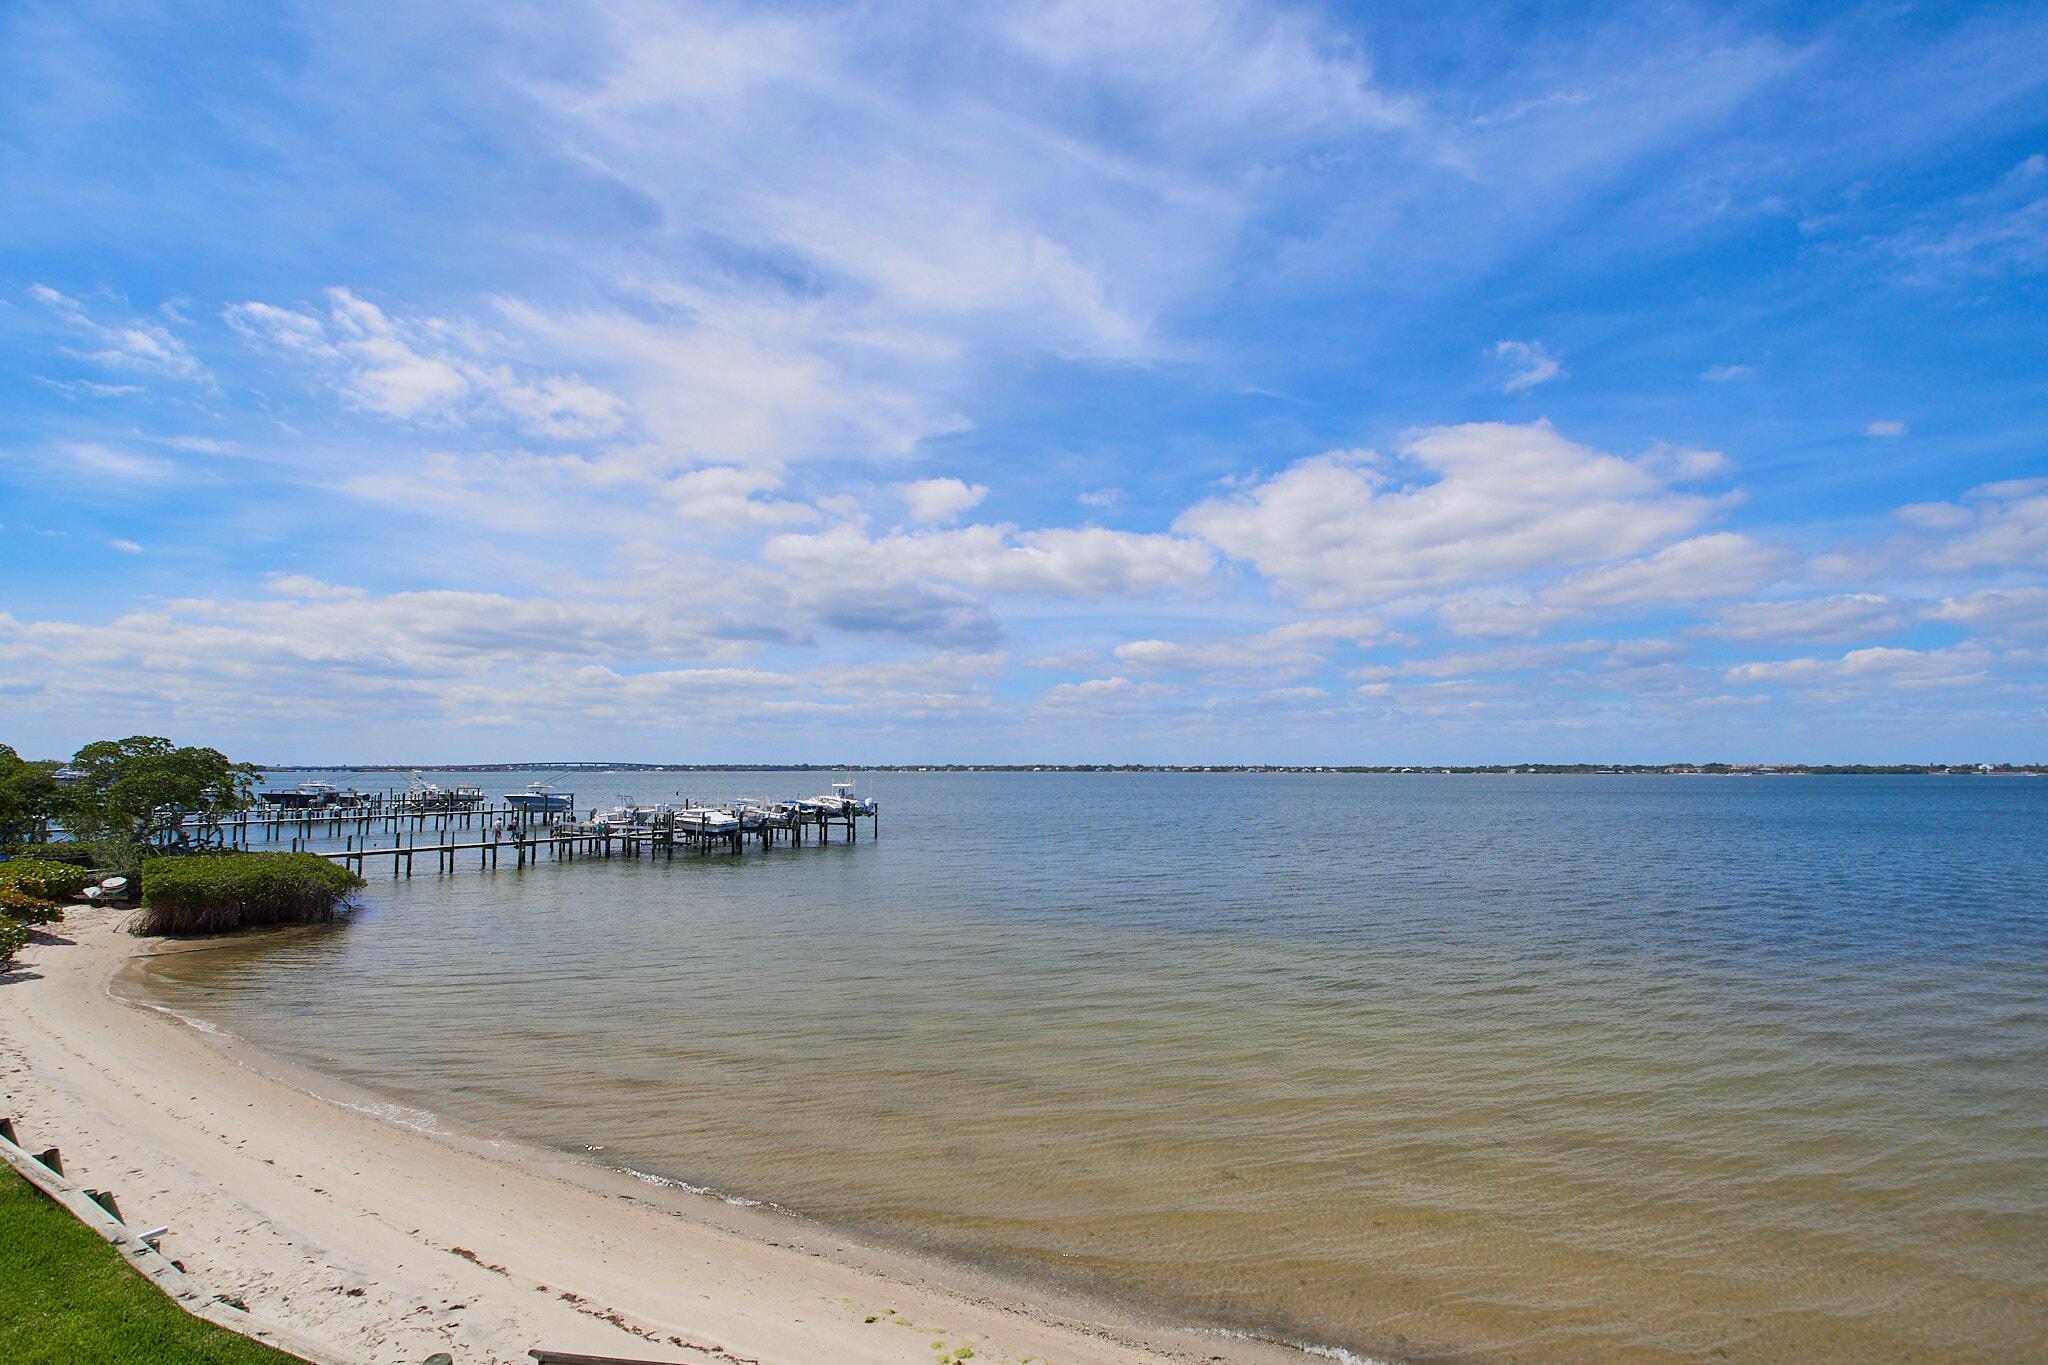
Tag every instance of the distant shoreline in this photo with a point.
(1439, 769)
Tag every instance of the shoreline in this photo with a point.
(324, 1206)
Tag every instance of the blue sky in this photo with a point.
(1167, 382)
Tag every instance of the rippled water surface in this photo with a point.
(1552, 1068)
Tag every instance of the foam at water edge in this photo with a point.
(1307, 1348)
(405, 1116)
(736, 1200)
(1336, 1353)
(186, 1019)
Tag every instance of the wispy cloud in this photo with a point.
(130, 343)
(2000, 231)
(424, 368)
(1531, 365)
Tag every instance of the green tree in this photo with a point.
(124, 783)
(28, 797)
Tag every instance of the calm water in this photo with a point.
(1552, 1068)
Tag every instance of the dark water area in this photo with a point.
(1643, 1068)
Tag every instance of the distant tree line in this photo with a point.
(1818, 769)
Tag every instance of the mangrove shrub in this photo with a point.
(43, 878)
(215, 893)
(23, 908)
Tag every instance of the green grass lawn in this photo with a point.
(67, 1298)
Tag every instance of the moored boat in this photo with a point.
(540, 799)
(842, 802)
(706, 820)
(314, 796)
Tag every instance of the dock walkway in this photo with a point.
(531, 843)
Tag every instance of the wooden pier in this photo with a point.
(531, 832)
(534, 842)
(249, 828)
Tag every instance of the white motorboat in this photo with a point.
(422, 795)
(313, 796)
(540, 799)
(630, 814)
(757, 814)
(842, 801)
(707, 820)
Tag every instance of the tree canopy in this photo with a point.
(28, 796)
(123, 783)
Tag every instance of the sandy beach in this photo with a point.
(323, 1210)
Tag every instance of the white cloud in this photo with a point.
(1996, 525)
(1104, 696)
(1066, 661)
(75, 388)
(1512, 659)
(127, 344)
(1101, 499)
(303, 585)
(1533, 365)
(561, 406)
(735, 376)
(1721, 565)
(1296, 696)
(1702, 569)
(1885, 429)
(319, 656)
(953, 214)
(1847, 616)
(1213, 71)
(126, 547)
(1501, 616)
(324, 644)
(1288, 651)
(728, 497)
(1879, 666)
(1346, 528)
(75, 458)
(424, 369)
(936, 500)
(2020, 612)
(1722, 374)
(278, 326)
(1075, 563)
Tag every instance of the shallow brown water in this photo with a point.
(1543, 1068)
